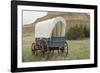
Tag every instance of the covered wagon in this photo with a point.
(54, 32)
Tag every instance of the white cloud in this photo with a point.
(31, 16)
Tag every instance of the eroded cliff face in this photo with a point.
(72, 19)
(69, 17)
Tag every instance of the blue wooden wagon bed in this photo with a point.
(54, 42)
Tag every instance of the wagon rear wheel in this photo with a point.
(33, 48)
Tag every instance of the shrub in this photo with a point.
(76, 32)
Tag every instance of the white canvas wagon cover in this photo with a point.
(44, 29)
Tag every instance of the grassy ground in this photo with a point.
(78, 49)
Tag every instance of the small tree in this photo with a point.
(86, 32)
(76, 32)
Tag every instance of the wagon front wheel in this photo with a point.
(66, 48)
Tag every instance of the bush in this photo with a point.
(76, 32)
(86, 32)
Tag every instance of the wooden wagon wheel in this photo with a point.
(33, 48)
(36, 49)
(44, 49)
(66, 48)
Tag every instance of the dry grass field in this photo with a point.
(78, 49)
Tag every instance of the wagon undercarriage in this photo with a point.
(57, 44)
